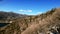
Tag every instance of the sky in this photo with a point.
(29, 7)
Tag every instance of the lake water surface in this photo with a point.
(3, 24)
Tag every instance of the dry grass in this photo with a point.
(33, 24)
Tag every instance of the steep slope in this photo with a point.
(45, 23)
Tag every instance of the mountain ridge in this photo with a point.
(40, 24)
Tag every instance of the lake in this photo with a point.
(3, 24)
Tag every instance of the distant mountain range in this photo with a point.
(10, 14)
(5, 16)
(46, 23)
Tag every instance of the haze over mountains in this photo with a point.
(45, 23)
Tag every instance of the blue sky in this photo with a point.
(29, 7)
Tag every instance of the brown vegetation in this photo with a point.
(45, 23)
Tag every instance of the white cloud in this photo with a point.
(39, 12)
(25, 10)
